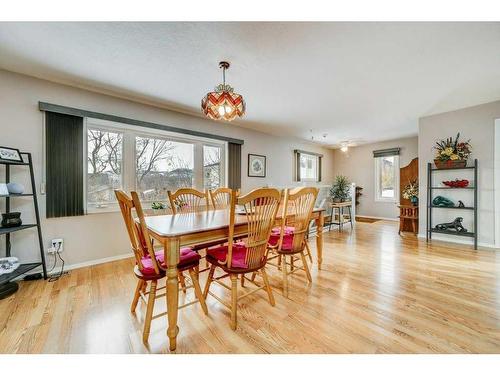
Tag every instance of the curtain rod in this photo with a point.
(49, 107)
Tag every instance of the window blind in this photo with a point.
(234, 166)
(386, 152)
(64, 165)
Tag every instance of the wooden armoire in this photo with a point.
(408, 214)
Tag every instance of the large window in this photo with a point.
(121, 156)
(104, 166)
(387, 178)
(212, 167)
(162, 165)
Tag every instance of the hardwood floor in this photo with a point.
(377, 293)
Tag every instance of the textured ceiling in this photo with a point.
(360, 82)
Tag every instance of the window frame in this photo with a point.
(129, 133)
(377, 175)
(112, 206)
(319, 166)
(222, 147)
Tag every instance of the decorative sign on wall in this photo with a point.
(10, 154)
(256, 165)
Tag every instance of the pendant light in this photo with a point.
(223, 103)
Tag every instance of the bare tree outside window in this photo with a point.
(162, 165)
(388, 179)
(104, 166)
(212, 171)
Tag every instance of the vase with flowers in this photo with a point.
(410, 192)
(452, 153)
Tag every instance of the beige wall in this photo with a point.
(102, 235)
(358, 165)
(477, 124)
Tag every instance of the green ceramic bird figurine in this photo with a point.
(442, 202)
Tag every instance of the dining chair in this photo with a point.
(188, 200)
(290, 241)
(150, 266)
(220, 198)
(236, 259)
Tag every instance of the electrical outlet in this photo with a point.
(57, 246)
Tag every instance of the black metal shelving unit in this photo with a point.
(430, 188)
(7, 286)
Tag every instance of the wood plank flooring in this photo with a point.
(377, 293)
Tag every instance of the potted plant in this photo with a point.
(410, 192)
(452, 154)
(340, 190)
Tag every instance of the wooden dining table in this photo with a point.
(194, 228)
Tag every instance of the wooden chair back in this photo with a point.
(220, 198)
(188, 200)
(137, 231)
(299, 203)
(261, 207)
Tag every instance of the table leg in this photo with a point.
(320, 221)
(172, 248)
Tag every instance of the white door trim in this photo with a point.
(497, 182)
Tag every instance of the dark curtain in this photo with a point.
(64, 161)
(234, 166)
(296, 155)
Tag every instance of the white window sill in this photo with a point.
(103, 210)
(386, 200)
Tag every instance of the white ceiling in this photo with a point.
(361, 82)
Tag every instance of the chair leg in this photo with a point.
(182, 280)
(253, 276)
(285, 276)
(209, 281)
(309, 252)
(306, 267)
(234, 300)
(242, 280)
(149, 311)
(197, 290)
(137, 295)
(268, 287)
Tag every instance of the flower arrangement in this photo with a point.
(453, 150)
(410, 191)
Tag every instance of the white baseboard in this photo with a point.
(461, 241)
(70, 267)
(379, 218)
(98, 261)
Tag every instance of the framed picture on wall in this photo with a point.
(256, 165)
(10, 154)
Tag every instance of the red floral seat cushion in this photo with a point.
(219, 254)
(287, 240)
(288, 230)
(187, 257)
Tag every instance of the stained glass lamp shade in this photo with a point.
(223, 103)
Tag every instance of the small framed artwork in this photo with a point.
(256, 165)
(10, 154)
